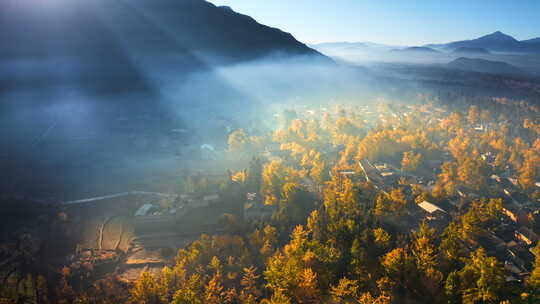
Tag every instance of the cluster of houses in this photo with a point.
(513, 241)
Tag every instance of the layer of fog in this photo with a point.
(67, 133)
(71, 130)
(369, 55)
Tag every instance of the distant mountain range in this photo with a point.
(484, 66)
(534, 40)
(495, 42)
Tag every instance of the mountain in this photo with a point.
(164, 26)
(496, 42)
(107, 41)
(533, 40)
(533, 43)
(484, 66)
(417, 49)
(470, 50)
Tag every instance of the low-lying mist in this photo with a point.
(97, 140)
(368, 54)
(104, 129)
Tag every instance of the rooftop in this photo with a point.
(429, 207)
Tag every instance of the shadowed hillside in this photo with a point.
(104, 43)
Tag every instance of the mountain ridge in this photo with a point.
(104, 41)
(496, 41)
(196, 25)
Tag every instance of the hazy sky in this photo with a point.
(398, 22)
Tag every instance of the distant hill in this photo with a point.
(532, 41)
(107, 41)
(484, 66)
(470, 50)
(493, 43)
(496, 42)
(100, 26)
(418, 49)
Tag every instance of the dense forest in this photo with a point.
(386, 203)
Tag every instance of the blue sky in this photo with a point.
(397, 22)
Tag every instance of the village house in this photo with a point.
(516, 215)
(382, 174)
(511, 214)
(432, 211)
(526, 235)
